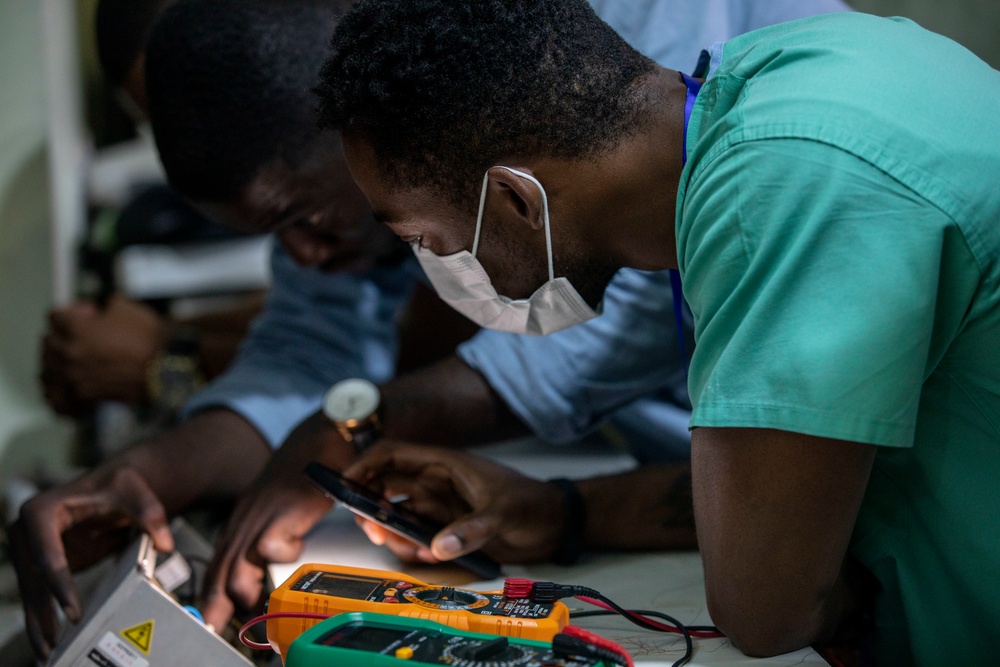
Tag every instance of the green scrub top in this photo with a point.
(838, 229)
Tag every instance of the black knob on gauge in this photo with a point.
(487, 650)
(448, 594)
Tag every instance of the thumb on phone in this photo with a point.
(466, 535)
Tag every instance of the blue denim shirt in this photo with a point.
(316, 328)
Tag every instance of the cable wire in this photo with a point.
(257, 646)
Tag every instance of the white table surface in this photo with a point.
(672, 583)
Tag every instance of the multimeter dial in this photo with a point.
(491, 653)
(446, 598)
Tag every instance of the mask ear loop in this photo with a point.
(545, 213)
(479, 216)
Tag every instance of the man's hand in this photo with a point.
(70, 528)
(271, 519)
(483, 504)
(90, 355)
(214, 455)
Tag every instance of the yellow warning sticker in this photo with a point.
(141, 635)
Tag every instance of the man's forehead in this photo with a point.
(395, 202)
(260, 204)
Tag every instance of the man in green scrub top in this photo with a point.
(837, 229)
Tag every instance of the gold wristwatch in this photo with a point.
(175, 374)
(352, 405)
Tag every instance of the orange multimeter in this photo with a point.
(334, 589)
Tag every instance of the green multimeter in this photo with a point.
(369, 639)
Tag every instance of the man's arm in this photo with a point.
(447, 403)
(214, 455)
(775, 511)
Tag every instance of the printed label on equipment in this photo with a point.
(98, 659)
(141, 635)
(113, 652)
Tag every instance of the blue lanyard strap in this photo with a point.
(693, 86)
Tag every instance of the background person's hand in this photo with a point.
(483, 504)
(70, 528)
(271, 519)
(91, 355)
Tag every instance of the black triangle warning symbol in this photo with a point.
(141, 635)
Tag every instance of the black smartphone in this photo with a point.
(368, 503)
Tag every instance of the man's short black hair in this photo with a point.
(121, 28)
(443, 89)
(230, 88)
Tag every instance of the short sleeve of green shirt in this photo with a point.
(814, 280)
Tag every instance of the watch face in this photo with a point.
(351, 400)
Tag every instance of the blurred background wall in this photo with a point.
(29, 435)
(28, 432)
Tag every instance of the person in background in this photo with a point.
(833, 218)
(243, 412)
(114, 351)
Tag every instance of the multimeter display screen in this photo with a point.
(352, 588)
(358, 637)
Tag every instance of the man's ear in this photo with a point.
(519, 195)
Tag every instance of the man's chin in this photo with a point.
(592, 289)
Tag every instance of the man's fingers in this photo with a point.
(371, 465)
(279, 546)
(218, 607)
(404, 549)
(40, 530)
(65, 320)
(245, 583)
(231, 579)
(39, 614)
(67, 595)
(217, 610)
(376, 533)
(36, 636)
(61, 321)
(281, 540)
(407, 550)
(145, 509)
(468, 534)
(128, 492)
(394, 459)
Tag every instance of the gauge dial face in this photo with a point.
(465, 654)
(351, 400)
(446, 598)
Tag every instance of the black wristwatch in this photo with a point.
(352, 405)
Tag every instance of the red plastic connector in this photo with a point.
(518, 588)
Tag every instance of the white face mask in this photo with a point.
(461, 281)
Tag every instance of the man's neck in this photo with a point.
(631, 216)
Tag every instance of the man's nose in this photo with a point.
(306, 247)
